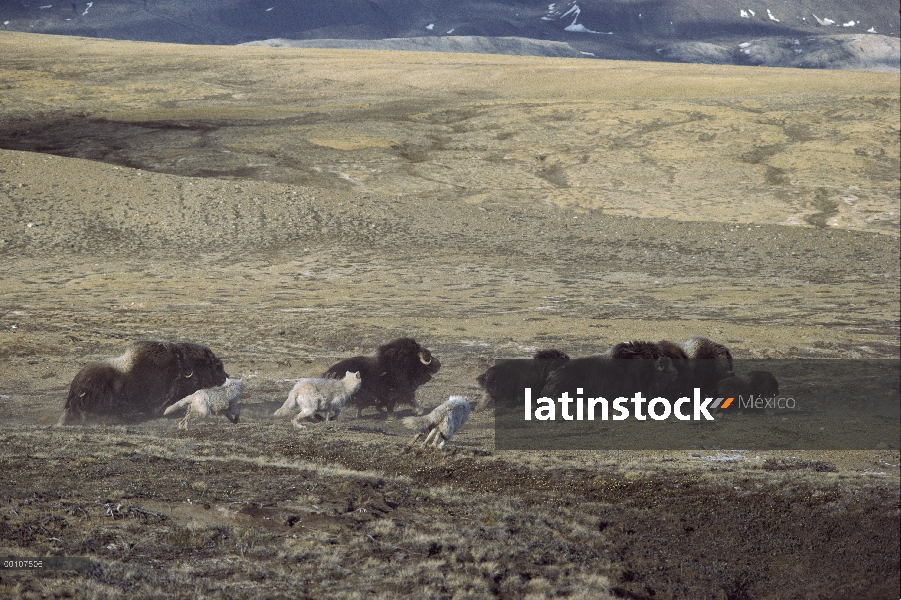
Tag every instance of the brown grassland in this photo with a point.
(291, 207)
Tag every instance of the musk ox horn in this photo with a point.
(189, 375)
(423, 360)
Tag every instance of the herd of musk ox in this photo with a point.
(155, 378)
(665, 368)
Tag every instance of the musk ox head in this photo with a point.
(505, 381)
(755, 384)
(390, 376)
(143, 381)
(407, 358)
(763, 383)
(205, 366)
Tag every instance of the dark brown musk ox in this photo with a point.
(621, 371)
(142, 382)
(505, 381)
(700, 362)
(390, 376)
(746, 390)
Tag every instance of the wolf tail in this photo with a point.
(183, 403)
(418, 423)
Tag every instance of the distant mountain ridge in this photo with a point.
(850, 52)
(468, 44)
(671, 30)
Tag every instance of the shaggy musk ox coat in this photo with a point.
(390, 376)
(613, 374)
(504, 382)
(701, 363)
(144, 381)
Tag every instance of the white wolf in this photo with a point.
(441, 423)
(321, 397)
(200, 404)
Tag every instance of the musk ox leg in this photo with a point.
(386, 412)
(68, 413)
(65, 417)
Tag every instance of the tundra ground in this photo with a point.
(290, 208)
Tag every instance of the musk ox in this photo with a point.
(613, 374)
(703, 348)
(143, 381)
(390, 376)
(701, 363)
(322, 398)
(216, 400)
(673, 350)
(441, 423)
(756, 384)
(505, 381)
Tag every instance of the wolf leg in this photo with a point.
(289, 405)
(432, 433)
(191, 413)
(306, 412)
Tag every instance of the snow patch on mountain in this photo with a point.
(572, 9)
